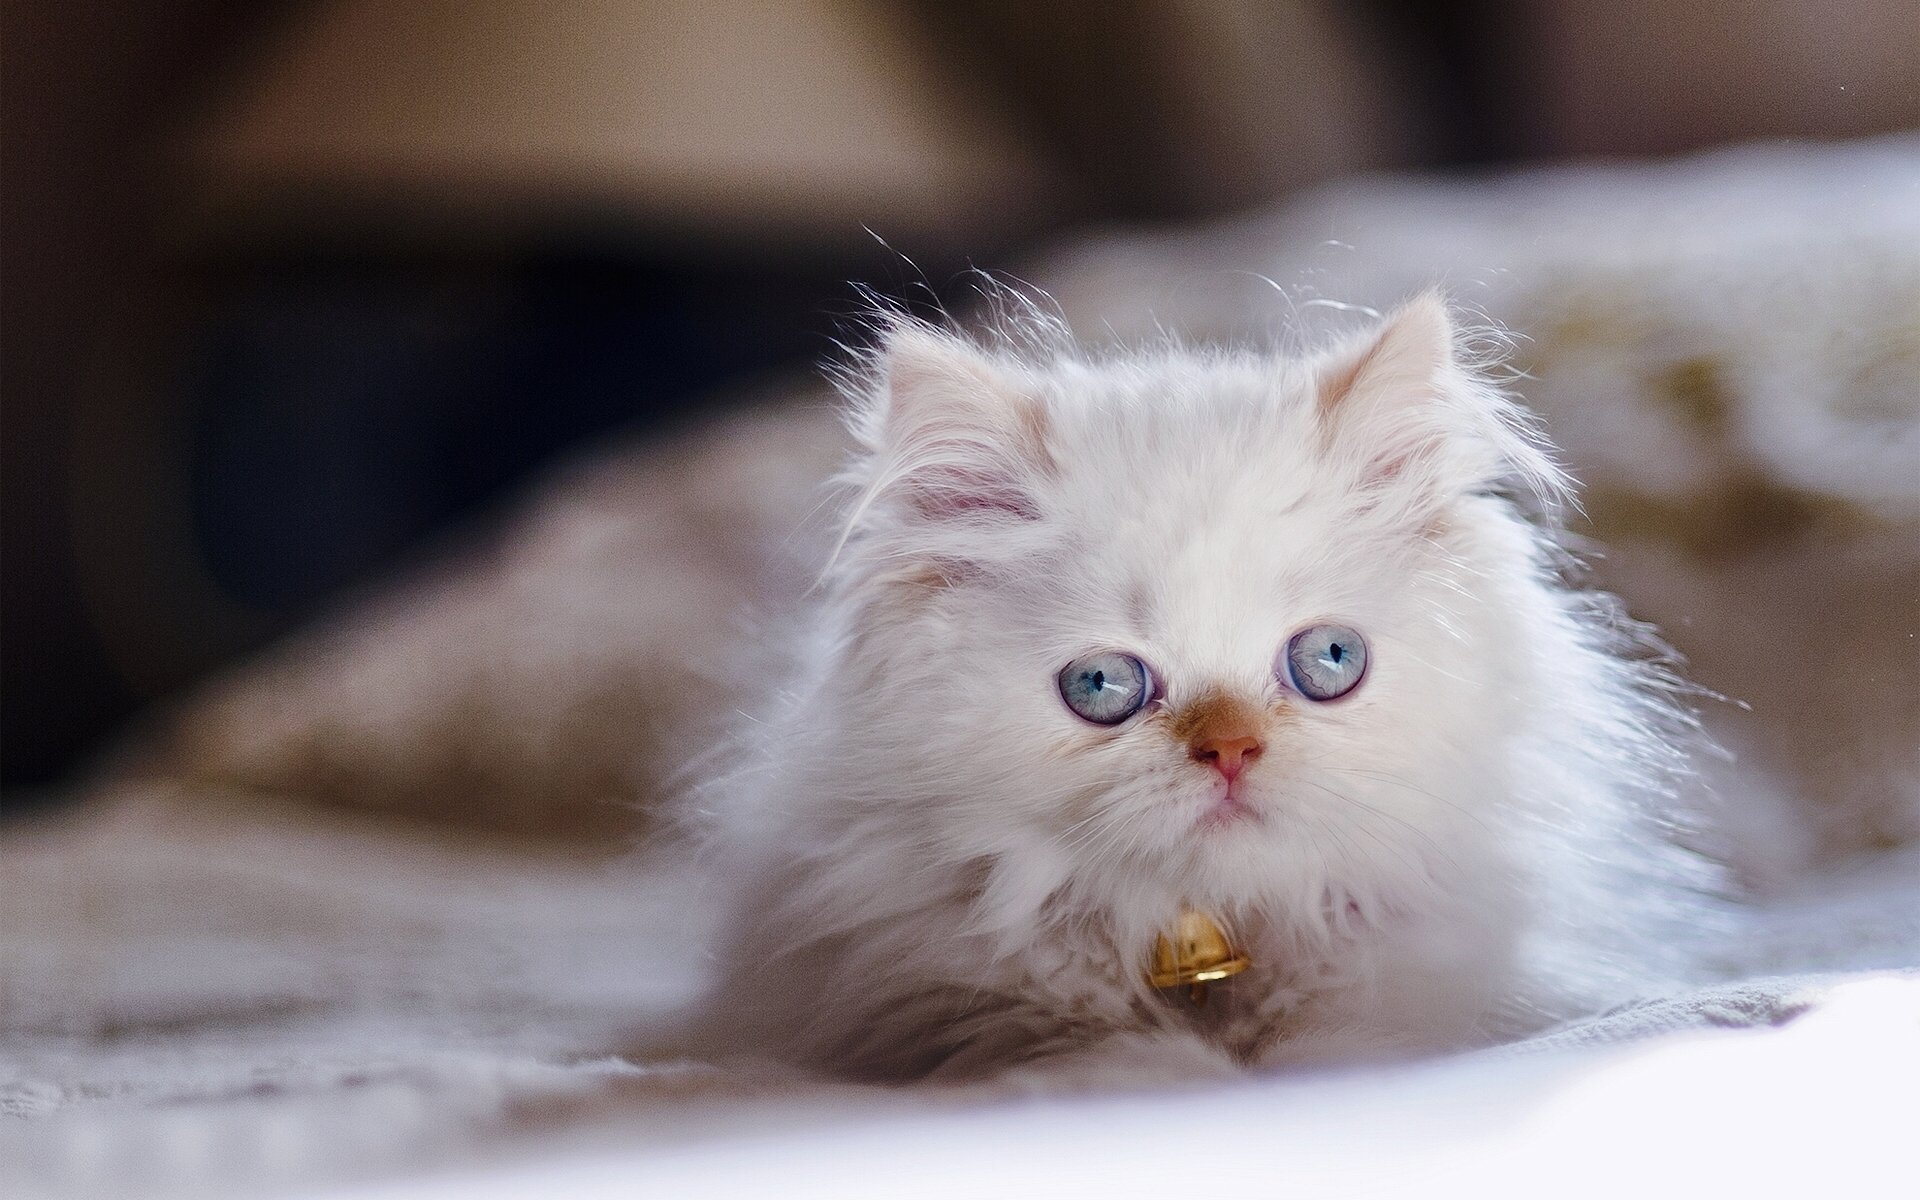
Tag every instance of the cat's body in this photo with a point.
(934, 864)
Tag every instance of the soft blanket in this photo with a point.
(209, 995)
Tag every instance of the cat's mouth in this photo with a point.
(1228, 808)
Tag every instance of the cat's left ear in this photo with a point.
(1404, 397)
(1400, 362)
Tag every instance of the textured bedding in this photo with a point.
(361, 918)
(208, 994)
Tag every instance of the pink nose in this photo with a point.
(1227, 755)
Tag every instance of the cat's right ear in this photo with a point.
(955, 433)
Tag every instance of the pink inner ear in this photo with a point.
(953, 491)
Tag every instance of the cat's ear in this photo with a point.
(1403, 400)
(1400, 362)
(955, 433)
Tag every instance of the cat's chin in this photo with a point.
(1226, 836)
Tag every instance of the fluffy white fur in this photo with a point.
(935, 869)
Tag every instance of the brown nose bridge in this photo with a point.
(1216, 717)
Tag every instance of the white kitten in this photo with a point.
(1284, 640)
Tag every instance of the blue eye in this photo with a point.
(1325, 662)
(1105, 688)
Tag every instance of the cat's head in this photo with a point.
(1231, 627)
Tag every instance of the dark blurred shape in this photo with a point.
(83, 90)
(1650, 77)
(344, 417)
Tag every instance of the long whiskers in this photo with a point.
(1437, 850)
(1410, 786)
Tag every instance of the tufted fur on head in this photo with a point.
(934, 866)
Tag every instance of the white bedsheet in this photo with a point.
(208, 995)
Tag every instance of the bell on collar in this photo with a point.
(1199, 954)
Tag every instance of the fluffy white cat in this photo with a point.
(1286, 640)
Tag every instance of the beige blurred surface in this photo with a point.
(562, 678)
(751, 122)
(777, 125)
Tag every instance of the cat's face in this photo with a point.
(1227, 629)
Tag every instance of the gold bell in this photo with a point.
(1199, 954)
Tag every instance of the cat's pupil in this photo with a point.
(1325, 661)
(1099, 680)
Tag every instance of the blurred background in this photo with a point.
(293, 288)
